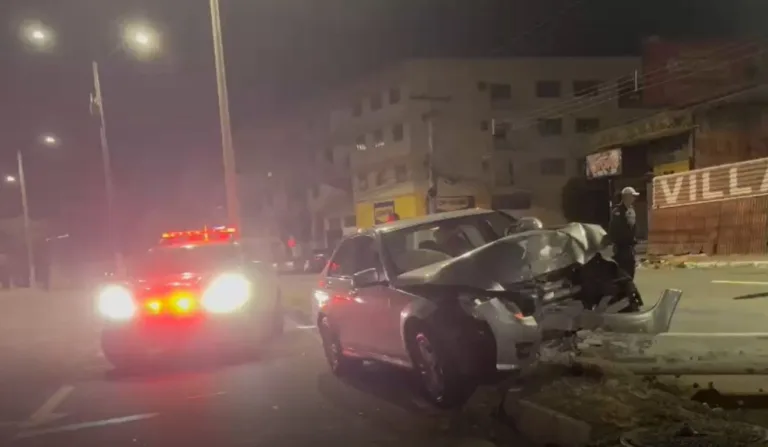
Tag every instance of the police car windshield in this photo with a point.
(162, 261)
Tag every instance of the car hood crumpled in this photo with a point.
(513, 259)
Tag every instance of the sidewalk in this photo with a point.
(704, 261)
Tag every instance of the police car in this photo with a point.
(195, 291)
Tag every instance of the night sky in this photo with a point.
(162, 116)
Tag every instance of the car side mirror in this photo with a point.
(367, 278)
(524, 224)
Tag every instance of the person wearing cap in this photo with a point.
(622, 230)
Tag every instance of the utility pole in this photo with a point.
(97, 100)
(228, 152)
(429, 118)
(27, 221)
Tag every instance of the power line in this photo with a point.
(627, 80)
(643, 87)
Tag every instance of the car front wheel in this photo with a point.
(340, 364)
(438, 373)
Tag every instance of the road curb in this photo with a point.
(702, 264)
(546, 427)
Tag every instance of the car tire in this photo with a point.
(438, 373)
(278, 318)
(340, 364)
(122, 356)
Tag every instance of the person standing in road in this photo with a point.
(623, 231)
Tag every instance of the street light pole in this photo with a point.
(230, 173)
(98, 101)
(27, 222)
(432, 173)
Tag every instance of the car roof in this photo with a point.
(429, 218)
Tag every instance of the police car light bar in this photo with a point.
(199, 235)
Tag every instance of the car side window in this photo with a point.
(367, 256)
(343, 261)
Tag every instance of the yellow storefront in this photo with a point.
(408, 206)
(371, 213)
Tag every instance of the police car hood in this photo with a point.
(166, 283)
(513, 259)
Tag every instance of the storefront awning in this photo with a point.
(660, 125)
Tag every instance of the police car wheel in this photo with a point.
(278, 318)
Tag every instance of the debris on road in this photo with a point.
(657, 262)
(614, 402)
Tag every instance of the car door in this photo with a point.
(371, 302)
(336, 293)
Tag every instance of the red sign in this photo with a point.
(678, 74)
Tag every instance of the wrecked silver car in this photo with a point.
(461, 296)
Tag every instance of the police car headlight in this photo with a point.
(227, 293)
(116, 303)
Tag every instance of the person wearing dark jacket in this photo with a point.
(623, 231)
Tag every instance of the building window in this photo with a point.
(360, 143)
(484, 126)
(394, 95)
(401, 173)
(517, 201)
(548, 89)
(482, 86)
(362, 181)
(587, 125)
(350, 221)
(550, 126)
(586, 88)
(397, 132)
(380, 177)
(505, 174)
(378, 138)
(552, 166)
(357, 108)
(499, 131)
(376, 102)
(581, 166)
(500, 92)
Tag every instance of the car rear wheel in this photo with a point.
(440, 379)
(340, 364)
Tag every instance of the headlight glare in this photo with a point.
(116, 303)
(227, 293)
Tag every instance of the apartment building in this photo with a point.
(500, 133)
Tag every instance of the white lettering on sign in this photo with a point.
(733, 183)
(706, 194)
(670, 196)
(692, 189)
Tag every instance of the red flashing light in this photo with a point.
(205, 235)
(291, 242)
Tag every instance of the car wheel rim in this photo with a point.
(430, 369)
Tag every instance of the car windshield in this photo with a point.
(421, 245)
(190, 258)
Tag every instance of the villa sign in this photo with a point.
(725, 182)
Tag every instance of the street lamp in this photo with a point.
(144, 42)
(37, 35)
(50, 141)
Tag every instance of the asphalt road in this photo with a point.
(56, 389)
